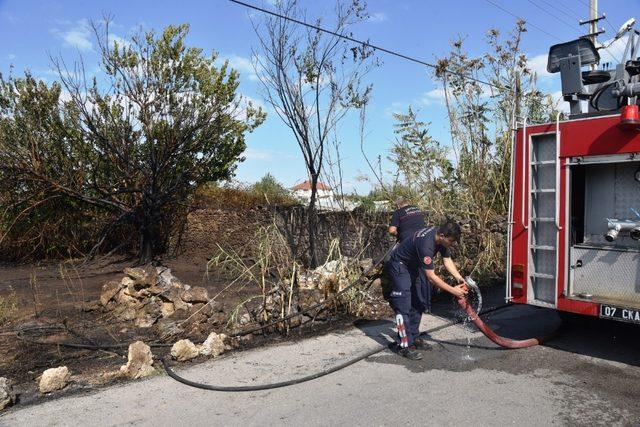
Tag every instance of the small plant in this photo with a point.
(33, 285)
(8, 307)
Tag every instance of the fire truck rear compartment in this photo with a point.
(543, 224)
(604, 260)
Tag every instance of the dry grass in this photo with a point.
(272, 274)
(237, 196)
(8, 307)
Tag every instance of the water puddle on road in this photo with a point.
(467, 353)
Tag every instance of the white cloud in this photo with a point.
(240, 111)
(241, 64)
(437, 96)
(256, 103)
(261, 155)
(11, 18)
(122, 42)
(538, 64)
(79, 36)
(56, 75)
(560, 103)
(614, 51)
(266, 155)
(378, 17)
(395, 108)
(434, 96)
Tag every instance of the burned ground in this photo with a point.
(58, 301)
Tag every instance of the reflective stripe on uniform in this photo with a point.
(402, 331)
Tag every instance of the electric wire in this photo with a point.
(520, 18)
(364, 43)
(617, 48)
(557, 18)
(612, 29)
(568, 24)
(571, 15)
(606, 18)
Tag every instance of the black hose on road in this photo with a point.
(168, 368)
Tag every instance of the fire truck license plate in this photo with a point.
(619, 313)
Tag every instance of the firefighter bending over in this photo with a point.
(406, 220)
(411, 271)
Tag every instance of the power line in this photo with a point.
(557, 18)
(612, 29)
(568, 24)
(617, 48)
(375, 47)
(522, 19)
(559, 6)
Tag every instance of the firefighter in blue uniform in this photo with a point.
(411, 269)
(406, 220)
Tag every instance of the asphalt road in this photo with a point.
(588, 374)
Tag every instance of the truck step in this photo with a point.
(544, 190)
(543, 276)
(543, 162)
(541, 219)
(543, 247)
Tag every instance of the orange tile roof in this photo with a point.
(307, 186)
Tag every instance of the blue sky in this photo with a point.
(32, 30)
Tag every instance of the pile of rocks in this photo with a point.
(335, 275)
(213, 346)
(7, 395)
(314, 286)
(149, 294)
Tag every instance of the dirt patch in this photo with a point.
(59, 302)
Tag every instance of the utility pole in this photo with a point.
(593, 18)
(593, 25)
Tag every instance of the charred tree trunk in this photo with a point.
(312, 222)
(146, 246)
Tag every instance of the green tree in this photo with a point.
(163, 120)
(425, 172)
(269, 188)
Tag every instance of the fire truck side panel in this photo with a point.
(519, 273)
(599, 136)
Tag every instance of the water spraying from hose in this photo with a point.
(467, 307)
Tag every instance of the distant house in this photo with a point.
(302, 192)
(325, 199)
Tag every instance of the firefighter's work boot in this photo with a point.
(422, 344)
(410, 353)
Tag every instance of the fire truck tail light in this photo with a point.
(517, 280)
(516, 289)
(629, 117)
(517, 271)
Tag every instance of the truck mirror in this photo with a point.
(582, 48)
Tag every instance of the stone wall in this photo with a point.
(359, 232)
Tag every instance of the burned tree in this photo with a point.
(161, 120)
(312, 79)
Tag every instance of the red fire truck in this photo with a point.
(574, 215)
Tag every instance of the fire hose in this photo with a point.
(488, 332)
(462, 302)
